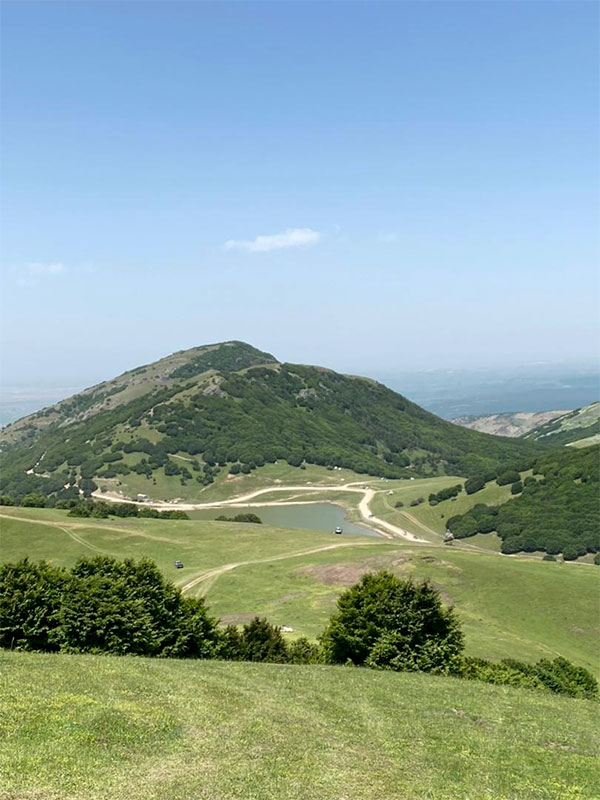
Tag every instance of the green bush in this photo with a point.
(173, 514)
(501, 674)
(257, 641)
(127, 607)
(386, 623)
(6, 500)
(246, 517)
(508, 476)
(33, 500)
(559, 676)
(30, 599)
(475, 484)
(303, 651)
(445, 494)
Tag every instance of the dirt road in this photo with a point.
(216, 571)
(386, 529)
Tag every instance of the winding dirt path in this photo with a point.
(380, 525)
(69, 527)
(216, 571)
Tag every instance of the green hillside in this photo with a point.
(98, 727)
(184, 420)
(576, 426)
(515, 607)
(555, 510)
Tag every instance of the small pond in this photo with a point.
(308, 516)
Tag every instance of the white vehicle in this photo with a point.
(338, 529)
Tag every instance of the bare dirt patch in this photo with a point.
(560, 746)
(349, 574)
(237, 619)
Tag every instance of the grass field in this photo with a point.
(105, 728)
(425, 520)
(509, 606)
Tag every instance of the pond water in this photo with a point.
(308, 516)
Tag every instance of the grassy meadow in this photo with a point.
(515, 607)
(106, 728)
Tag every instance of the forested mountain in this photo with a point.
(574, 426)
(232, 406)
(554, 510)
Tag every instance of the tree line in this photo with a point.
(555, 510)
(103, 605)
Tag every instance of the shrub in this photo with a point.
(388, 623)
(508, 476)
(303, 651)
(230, 644)
(399, 504)
(560, 676)
(445, 494)
(257, 641)
(127, 607)
(30, 598)
(173, 514)
(248, 517)
(502, 674)
(475, 484)
(33, 501)
(516, 488)
(6, 500)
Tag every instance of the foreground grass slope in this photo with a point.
(509, 606)
(104, 728)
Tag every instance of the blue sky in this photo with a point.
(370, 186)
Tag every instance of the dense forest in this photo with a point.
(555, 510)
(238, 416)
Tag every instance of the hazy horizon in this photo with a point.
(448, 392)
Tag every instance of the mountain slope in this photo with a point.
(569, 428)
(510, 423)
(555, 510)
(233, 404)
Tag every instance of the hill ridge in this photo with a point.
(232, 404)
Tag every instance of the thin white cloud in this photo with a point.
(30, 274)
(39, 268)
(292, 237)
(388, 237)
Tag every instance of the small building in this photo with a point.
(142, 498)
